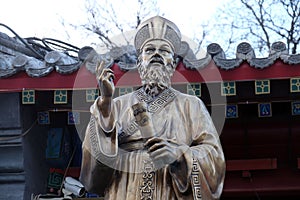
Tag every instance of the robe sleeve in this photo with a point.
(107, 124)
(202, 166)
(99, 150)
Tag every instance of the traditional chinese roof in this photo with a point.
(49, 63)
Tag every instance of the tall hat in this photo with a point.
(157, 28)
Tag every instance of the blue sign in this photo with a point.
(231, 111)
(295, 108)
(264, 110)
(73, 117)
(43, 117)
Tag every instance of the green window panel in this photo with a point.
(194, 89)
(262, 87)
(125, 90)
(295, 85)
(60, 96)
(28, 97)
(91, 95)
(228, 88)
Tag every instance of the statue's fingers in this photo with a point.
(152, 141)
(156, 146)
(109, 70)
(111, 76)
(107, 73)
(100, 67)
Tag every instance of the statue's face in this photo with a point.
(157, 52)
(156, 64)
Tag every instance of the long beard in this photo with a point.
(155, 79)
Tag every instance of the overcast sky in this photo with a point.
(42, 18)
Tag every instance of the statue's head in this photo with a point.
(157, 43)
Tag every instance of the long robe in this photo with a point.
(181, 118)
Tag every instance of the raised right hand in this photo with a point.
(105, 78)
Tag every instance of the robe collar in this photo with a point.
(158, 102)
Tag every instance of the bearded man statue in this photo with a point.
(155, 143)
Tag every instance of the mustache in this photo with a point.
(157, 59)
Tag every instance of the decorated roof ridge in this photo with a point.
(39, 57)
(246, 53)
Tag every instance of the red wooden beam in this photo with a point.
(83, 78)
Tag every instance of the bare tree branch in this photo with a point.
(105, 20)
(267, 21)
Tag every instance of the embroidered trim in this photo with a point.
(142, 96)
(196, 180)
(133, 127)
(161, 101)
(148, 182)
(95, 148)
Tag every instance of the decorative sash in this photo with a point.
(147, 186)
(148, 181)
(196, 181)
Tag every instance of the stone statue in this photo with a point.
(156, 142)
